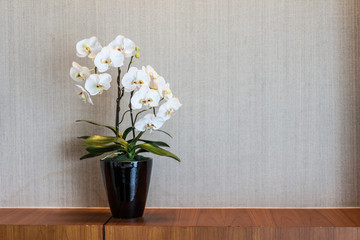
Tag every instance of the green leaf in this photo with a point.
(158, 151)
(127, 131)
(157, 143)
(140, 151)
(109, 155)
(90, 155)
(97, 140)
(104, 149)
(113, 129)
(164, 132)
(134, 141)
(112, 154)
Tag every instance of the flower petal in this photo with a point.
(128, 78)
(79, 73)
(118, 41)
(158, 84)
(100, 58)
(80, 48)
(104, 80)
(90, 84)
(141, 124)
(167, 109)
(117, 58)
(143, 76)
(89, 98)
(138, 97)
(73, 74)
(129, 47)
(154, 96)
(163, 112)
(92, 41)
(83, 94)
(174, 103)
(76, 65)
(95, 50)
(158, 122)
(152, 73)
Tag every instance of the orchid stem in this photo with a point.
(139, 113)
(120, 93)
(154, 111)
(122, 118)
(130, 63)
(130, 107)
(131, 115)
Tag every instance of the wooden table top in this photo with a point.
(181, 224)
(347, 217)
(237, 217)
(54, 216)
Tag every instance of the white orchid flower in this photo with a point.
(79, 73)
(124, 45)
(108, 57)
(166, 92)
(169, 108)
(150, 70)
(83, 94)
(135, 78)
(158, 84)
(97, 83)
(145, 96)
(149, 122)
(88, 47)
(162, 87)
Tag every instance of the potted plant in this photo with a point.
(126, 172)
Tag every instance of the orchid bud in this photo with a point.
(137, 48)
(137, 55)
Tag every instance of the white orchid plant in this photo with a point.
(149, 93)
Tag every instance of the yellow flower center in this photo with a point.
(149, 126)
(140, 82)
(167, 91)
(145, 101)
(100, 88)
(79, 75)
(87, 48)
(170, 111)
(106, 61)
(120, 48)
(82, 95)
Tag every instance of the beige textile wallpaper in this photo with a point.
(270, 92)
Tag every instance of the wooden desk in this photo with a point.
(231, 224)
(53, 224)
(181, 224)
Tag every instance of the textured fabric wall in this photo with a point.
(270, 92)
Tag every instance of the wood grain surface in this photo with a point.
(181, 224)
(209, 224)
(52, 224)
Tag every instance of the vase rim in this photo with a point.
(143, 159)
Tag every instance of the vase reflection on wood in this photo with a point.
(127, 184)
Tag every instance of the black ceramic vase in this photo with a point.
(127, 184)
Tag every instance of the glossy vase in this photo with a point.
(127, 184)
